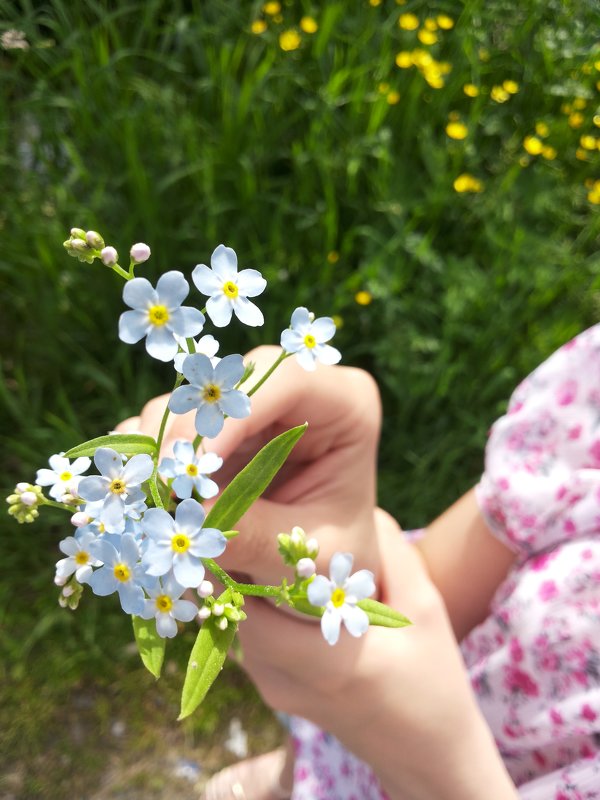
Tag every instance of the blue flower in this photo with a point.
(79, 559)
(158, 314)
(166, 607)
(122, 572)
(189, 471)
(63, 477)
(180, 544)
(307, 339)
(211, 392)
(229, 289)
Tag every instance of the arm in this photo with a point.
(465, 562)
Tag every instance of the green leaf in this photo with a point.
(380, 614)
(206, 661)
(130, 444)
(251, 482)
(150, 644)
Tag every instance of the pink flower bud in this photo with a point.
(22, 487)
(205, 589)
(79, 519)
(94, 240)
(59, 581)
(306, 568)
(139, 253)
(29, 498)
(312, 546)
(68, 591)
(109, 256)
(204, 613)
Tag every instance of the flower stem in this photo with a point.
(282, 356)
(120, 271)
(255, 590)
(53, 504)
(161, 432)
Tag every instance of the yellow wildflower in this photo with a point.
(408, 22)
(597, 65)
(289, 40)
(433, 77)
(566, 108)
(533, 145)
(309, 25)
(512, 87)
(499, 94)
(421, 58)
(383, 88)
(594, 193)
(444, 67)
(542, 129)
(588, 142)
(467, 183)
(596, 120)
(272, 8)
(333, 256)
(363, 298)
(576, 119)
(548, 152)
(579, 103)
(258, 26)
(404, 60)
(457, 130)
(393, 97)
(445, 22)
(374, 3)
(581, 154)
(337, 321)
(484, 55)
(470, 90)
(427, 37)
(430, 24)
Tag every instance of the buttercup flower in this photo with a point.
(228, 289)
(122, 573)
(207, 345)
(118, 485)
(211, 392)
(340, 594)
(457, 130)
(158, 314)
(62, 477)
(190, 471)
(180, 544)
(307, 339)
(166, 607)
(79, 559)
(289, 40)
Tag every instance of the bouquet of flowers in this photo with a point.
(139, 526)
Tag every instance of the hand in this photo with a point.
(328, 484)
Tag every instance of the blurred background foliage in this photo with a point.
(427, 172)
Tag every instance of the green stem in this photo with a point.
(54, 504)
(120, 271)
(161, 432)
(283, 355)
(252, 589)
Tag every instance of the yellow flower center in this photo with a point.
(310, 341)
(122, 572)
(117, 486)
(192, 470)
(82, 557)
(337, 597)
(158, 315)
(66, 476)
(180, 543)
(231, 290)
(164, 603)
(211, 393)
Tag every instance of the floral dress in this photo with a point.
(534, 662)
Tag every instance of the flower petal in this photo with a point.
(330, 625)
(339, 567)
(166, 626)
(235, 404)
(92, 488)
(157, 560)
(138, 293)
(172, 289)
(167, 468)
(206, 487)
(184, 451)
(103, 581)
(209, 462)
(247, 312)
(250, 282)
(183, 486)
(291, 341)
(46, 477)
(108, 462)
(209, 544)
(319, 590)
(355, 619)
(323, 329)
(209, 420)
(229, 371)
(327, 354)
(189, 516)
(208, 345)
(300, 320)
(132, 598)
(219, 308)
(186, 321)
(160, 343)
(306, 358)
(158, 524)
(138, 469)
(188, 571)
(184, 399)
(198, 370)
(184, 610)
(133, 326)
(129, 550)
(361, 584)
(80, 465)
(112, 515)
(205, 280)
(224, 262)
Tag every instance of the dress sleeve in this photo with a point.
(541, 484)
(579, 781)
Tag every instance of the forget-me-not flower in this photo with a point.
(340, 594)
(189, 471)
(307, 339)
(180, 544)
(79, 559)
(118, 486)
(62, 477)
(158, 314)
(228, 289)
(122, 572)
(207, 345)
(211, 392)
(166, 607)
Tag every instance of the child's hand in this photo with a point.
(328, 483)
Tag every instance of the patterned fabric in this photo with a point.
(535, 661)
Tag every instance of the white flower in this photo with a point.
(189, 471)
(340, 594)
(211, 392)
(63, 477)
(180, 544)
(118, 486)
(228, 289)
(307, 338)
(166, 607)
(79, 559)
(122, 572)
(158, 314)
(207, 345)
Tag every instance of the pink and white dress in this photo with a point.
(535, 660)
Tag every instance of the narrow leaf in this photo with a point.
(130, 444)
(150, 644)
(380, 614)
(251, 482)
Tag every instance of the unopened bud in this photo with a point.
(29, 498)
(77, 233)
(312, 547)
(62, 601)
(204, 613)
(59, 581)
(222, 624)
(77, 244)
(296, 538)
(205, 589)
(68, 591)
(109, 256)
(139, 253)
(79, 519)
(22, 487)
(218, 609)
(94, 240)
(306, 568)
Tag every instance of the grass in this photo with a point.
(331, 169)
